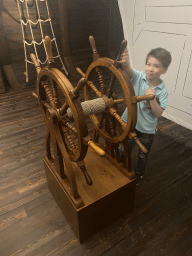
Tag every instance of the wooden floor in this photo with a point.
(31, 222)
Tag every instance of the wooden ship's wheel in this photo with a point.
(106, 80)
(107, 92)
(114, 85)
(66, 140)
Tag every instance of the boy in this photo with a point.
(144, 83)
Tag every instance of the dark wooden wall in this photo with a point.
(100, 19)
(12, 25)
(87, 18)
(84, 18)
(12, 28)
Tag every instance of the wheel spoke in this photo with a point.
(110, 126)
(101, 81)
(102, 120)
(98, 93)
(71, 127)
(69, 138)
(63, 109)
(111, 84)
(46, 105)
(113, 112)
(55, 93)
(49, 93)
(119, 101)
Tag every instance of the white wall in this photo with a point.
(149, 24)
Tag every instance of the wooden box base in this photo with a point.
(110, 197)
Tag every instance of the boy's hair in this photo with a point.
(161, 54)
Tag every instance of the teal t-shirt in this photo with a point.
(146, 120)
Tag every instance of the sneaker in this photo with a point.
(139, 178)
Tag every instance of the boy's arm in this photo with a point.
(155, 107)
(157, 110)
(125, 62)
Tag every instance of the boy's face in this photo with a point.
(154, 69)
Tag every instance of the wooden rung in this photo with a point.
(2, 87)
(10, 75)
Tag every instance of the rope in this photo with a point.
(28, 22)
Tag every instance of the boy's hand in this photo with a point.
(150, 91)
(124, 59)
(125, 63)
(147, 92)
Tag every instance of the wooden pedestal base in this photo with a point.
(110, 197)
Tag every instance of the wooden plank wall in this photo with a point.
(85, 18)
(102, 20)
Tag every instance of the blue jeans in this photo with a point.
(146, 140)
